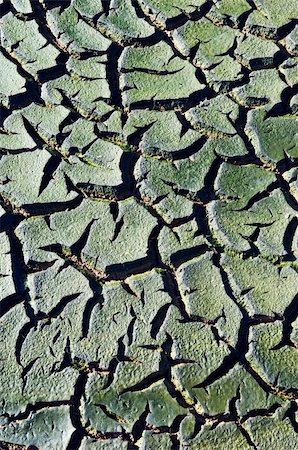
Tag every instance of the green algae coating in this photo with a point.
(148, 225)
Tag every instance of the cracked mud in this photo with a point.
(149, 227)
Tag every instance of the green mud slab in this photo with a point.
(149, 225)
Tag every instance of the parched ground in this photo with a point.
(149, 227)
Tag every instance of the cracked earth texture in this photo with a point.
(149, 228)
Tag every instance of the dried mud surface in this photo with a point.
(149, 228)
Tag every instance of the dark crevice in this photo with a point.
(158, 320)
(286, 190)
(288, 239)
(48, 172)
(169, 104)
(185, 255)
(289, 316)
(7, 303)
(79, 245)
(292, 415)
(92, 303)
(259, 196)
(33, 408)
(46, 209)
(140, 424)
(59, 307)
(207, 193)
(10, 221)
(19, 272)
(75, 413)
(113, 55)
(120, 357)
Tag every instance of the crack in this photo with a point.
(115, 361)
(289, 316)
(113, 54)
(158, 320)
(48, 172)
(140, 424)
(92, 303)
(7, 303)
(33, 408)
(32, 86)
(292, 415)
(44, 142)
(259, 196)
(75, 413)
(234, 415)
(39, 15)
(288, 239)
(19, 272)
